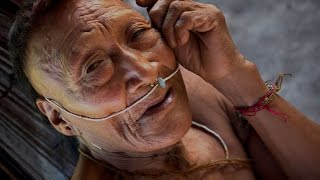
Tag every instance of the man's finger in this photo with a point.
(201, 20)
(158, 12)
(176, 8)
(182, 27)
(146, 3)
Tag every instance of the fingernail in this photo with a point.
(173, 43)
(180, 40)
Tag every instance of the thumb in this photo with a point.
(146, 3)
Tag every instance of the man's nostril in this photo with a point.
(134, 84)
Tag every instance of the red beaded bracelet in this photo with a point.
(263, 102)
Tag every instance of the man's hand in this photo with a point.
(198, 34)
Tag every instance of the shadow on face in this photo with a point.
(97, 58)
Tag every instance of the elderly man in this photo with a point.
(103, 73)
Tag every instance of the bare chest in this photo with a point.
(207, 161)
(202, 149)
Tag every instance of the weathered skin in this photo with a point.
(102, 31)
(97, 57)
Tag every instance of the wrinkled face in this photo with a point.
(109, 56)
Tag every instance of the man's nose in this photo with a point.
(140, 71)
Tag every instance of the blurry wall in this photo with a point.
(280, 37)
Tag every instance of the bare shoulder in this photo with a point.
(207, 101)
(211, 108)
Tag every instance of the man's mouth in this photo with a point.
(160, 105)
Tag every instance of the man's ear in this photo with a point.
(54, 117)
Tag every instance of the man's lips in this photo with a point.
(160, 104)
(156, 104)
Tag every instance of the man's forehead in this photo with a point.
(87, 15)
(75, 15)
(74, 10)
(54, 28)
(83, 7)
(65, 22)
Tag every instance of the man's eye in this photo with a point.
(137, 33)
(93, 66)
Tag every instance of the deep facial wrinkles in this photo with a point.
(133, 127)
(126, 132)
(89, 19)
(71, 79)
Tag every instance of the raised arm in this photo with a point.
(200, 38)
(292, 138)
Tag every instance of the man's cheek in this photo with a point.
(165, 55)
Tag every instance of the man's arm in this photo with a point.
(295, 143)
(211, 108)
(201, 41)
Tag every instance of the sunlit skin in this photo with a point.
(127, 63)
(96, 58)
(105, 70)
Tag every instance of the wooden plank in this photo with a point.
(40, 135)
(10, 167)
(4, 54)
(24, 153)
(36, 149)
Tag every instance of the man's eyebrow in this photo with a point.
(74, 35)
(67, 44)
(88, 54)
(135, 21)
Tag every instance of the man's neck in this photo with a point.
(170, 158)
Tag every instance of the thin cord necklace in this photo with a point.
(227, 161)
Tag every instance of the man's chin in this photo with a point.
(168, 137)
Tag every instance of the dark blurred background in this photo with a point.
(279, 36)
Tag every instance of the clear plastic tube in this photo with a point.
(161, 83)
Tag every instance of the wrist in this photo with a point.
(243, 86)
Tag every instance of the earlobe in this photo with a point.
(40, 105)
(55, 118)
